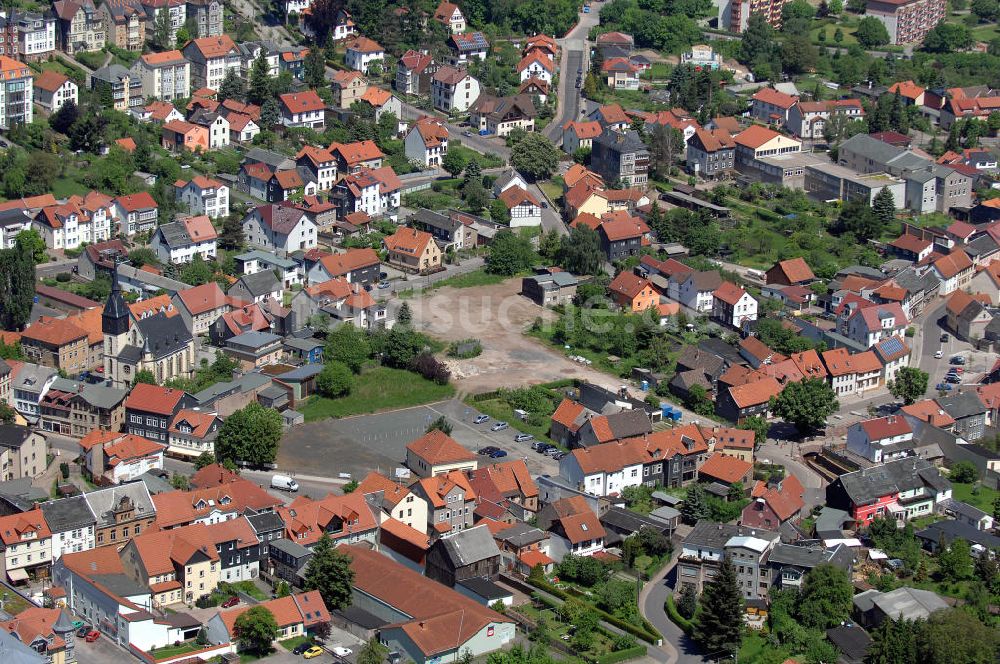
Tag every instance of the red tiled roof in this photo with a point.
(725, 468)
(886, 427)
(437, 448)
(774, 98)
(154, 399)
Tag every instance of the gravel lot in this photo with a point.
(496, 315)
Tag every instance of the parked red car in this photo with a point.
(92, 636)
(231, 602)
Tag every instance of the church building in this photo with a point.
(159, 343)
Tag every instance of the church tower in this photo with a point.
(114, 325)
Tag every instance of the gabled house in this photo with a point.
(361, 52)
(137, 213)
(900, 489)
(436, 453)
(211, 59)
(450, 15)
(346, 519)
(352, 157)
(772, 107)
(414, 71)
(453, 90)
(412, 250)
(575, 527)
(733, 306)
(881, 439)
(466, 47)
(501, 115)
(279, 228)
(180, 241)
(427, 141)
(203, 195)
(302, 109)
(633, 293)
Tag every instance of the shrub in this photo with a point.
(686, 625)
(622, 655)
(465, 349)
(431, 368)
(64, 470)
(63, 277)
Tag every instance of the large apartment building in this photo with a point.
(16, 92)
(907, 21)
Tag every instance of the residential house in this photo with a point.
(201, 306)
(620, 74)
(80, 28)
(466, 47)
(708, 543)
(622, 235)
(29, 386)
(181, 241)
(711, 153)
(453, 90)
(808, 119)
(451, 16)
(427, 141)
(192, 432)
(412, 250)
(774, 504)
(257, 287)
(504, 487)
(76, 409)
(756, 144)
(207, 16)
(318, 166)
(398, 502)
(524, 208)
(577, 135)
(182, 135)
(203, 196)
(137, 213)
(739, 402)
(414, 71)
(25, 545)
(121, 85)
(279, 228)
(620, 157)
(116, 458)
(124, 23)
(536, 65)
(211, 59)
(356, 266)
(967, 315)
(346, 519)
(733, 306)
(71, 523)
(501, 115)
(575, 527)
(296, 616)
(302, 109)
(881, 439)
(149, 409)
(361, 53)
(969, 414)
(52, 90)
(904, 488)
(954, 271)
(726, 470)
(633, 293)
(772, 107)
(122, 512)
(352, 157)
(23, 452)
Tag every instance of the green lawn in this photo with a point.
(485, 160)
(66, 187)
(830, 30)
(986, 32)
(378, 389)
(756, 648)
(13, 603)
(293, 643)
(173, 651)
(432, 200)
(501, 410)
(977, 496)
(472, 279)
(93, 60)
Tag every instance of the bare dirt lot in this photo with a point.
(497, 315)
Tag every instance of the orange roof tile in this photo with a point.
(725, 468)
(438, 448)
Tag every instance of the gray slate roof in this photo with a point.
(961, 405)
(102, 501)
(68, 514)
(951, 530)
(259, 283)
(867, 485)
(522, 534)
(163, 335)
(906, 603)
(469, 546)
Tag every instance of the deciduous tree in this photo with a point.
(871, 32)
(535, 156)
(580, 251)
(348, 345)
(806, 404)
(825, 600)
(251, 435)
(909, 384)
(329, 571)
(255, 629)
(510, 253)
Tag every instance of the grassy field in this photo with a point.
(472, 279)
(173, 651)
(981, 496)
(485, 160)
(756, 649)
(378, 389)
(291, 644)
(501, 410)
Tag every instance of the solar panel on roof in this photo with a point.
(892, 345)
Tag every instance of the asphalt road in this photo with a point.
(678, 647)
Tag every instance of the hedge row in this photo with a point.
(622, 655)
(651, 636)
(686, 625)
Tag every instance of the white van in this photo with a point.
(284, 483)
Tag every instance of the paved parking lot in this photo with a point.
(357, 445)
(101, 651)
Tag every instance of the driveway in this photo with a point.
(678, 647)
